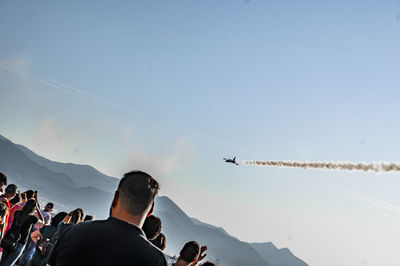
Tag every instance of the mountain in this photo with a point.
(57, 187)
(277, 257)
(180, 227)
(70, 186)
(81, 175)
(222, 247)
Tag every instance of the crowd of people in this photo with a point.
(131, 235)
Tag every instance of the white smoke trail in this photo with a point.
(374, 167)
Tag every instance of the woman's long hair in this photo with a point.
(29, 207)
(27, 211)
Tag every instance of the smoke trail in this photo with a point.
(374, 167)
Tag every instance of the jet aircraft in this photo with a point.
(231, 160)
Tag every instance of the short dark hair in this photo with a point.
(160, 241)
(190, 251)
(16, 199)
(11, 189)
(88, 218)
(77, 216)
(207, 263)
(137, 190)
(3, 179)
(152, 227)
(58, 218)
(50, 205)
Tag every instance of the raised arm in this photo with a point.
(35, 236)
(39, 213)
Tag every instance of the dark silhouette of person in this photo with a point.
(119, 240)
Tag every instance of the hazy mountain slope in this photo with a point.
(277, 257)
(198, 222)
(56, 187)
(12, 159)
(82, 175)
(179, 228)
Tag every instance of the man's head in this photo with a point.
(88, 218)
(190, 252)
(49, 207)
(10, 191)
(152, 227)
(208, 263)
(16, 200)
(135, 195)
(3, 181)
(77, 216)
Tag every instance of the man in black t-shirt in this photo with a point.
(119, 240)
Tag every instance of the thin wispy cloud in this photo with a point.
(65, 88)
(72, 90)
(386, 208)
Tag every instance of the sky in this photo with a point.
(172, 87)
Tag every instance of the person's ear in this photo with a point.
(115, 199)
(151, 210)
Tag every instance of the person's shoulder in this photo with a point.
(17, 213)
(88, 226)
(33, 219)
(153, 251)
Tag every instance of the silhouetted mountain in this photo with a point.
(53, 186)
(277, 257)
(180, 228)
(82, 175)
(70, 186)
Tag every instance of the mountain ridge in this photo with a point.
(71, 185)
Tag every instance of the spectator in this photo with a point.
(152, 227)
(88, 218)
(46, 212)
(29, 194)
(30, 246)
(9, 193)
(189, 254)
(23, 221)
(16, 207)
(74, 217)
(17, 200)
(42, 237)
(160, 241)
(207, 263)
(118, 240)
(3, 181)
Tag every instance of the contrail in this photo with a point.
(349, 166)
(72, 90)
(83, 94)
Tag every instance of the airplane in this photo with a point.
(231, 160)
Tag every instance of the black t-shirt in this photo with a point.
(24, 222)
(107, 242)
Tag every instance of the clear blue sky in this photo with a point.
(177, 85)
